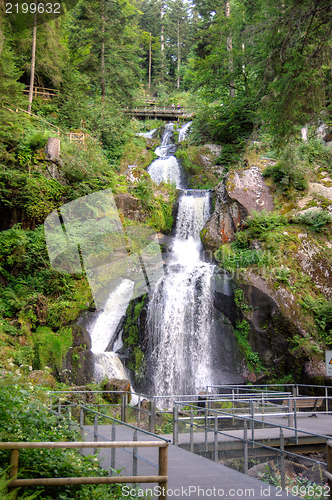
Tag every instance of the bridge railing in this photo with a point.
(242, 442)
(96, 426)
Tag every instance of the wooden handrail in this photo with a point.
(329, 465)
(14, 483)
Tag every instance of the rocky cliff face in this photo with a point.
(238, 195)
(282, 335)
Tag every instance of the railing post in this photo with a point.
(290, 410)
(282, 459)
(191, 429)
(326, 400)
(82, 419)
(175, 424)
(329, 463)
(252, 414)
(139, 411)
(206, 430)
(163, 464)
(113, 449)
(59, 408)
(95, 431)
(135, 455)
(124, 407)
(295, 423)
(245, 446)
(215, 437)
(152, 416)
(13, 470)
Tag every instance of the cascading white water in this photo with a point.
(184, 131)
(102, 330)
(166, 168)
(180, 312)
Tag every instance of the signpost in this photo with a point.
(328, 363)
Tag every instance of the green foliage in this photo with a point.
(286, 176)
(5, 495)
(230, 257)
(260, 224)
(317, 219)
(51, 347)
(321, 309)
(24, 416)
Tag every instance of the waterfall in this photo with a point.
(103, 331)
(184, 131)
(180, 312)
(166, 168)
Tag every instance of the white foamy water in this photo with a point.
(108, 364)
(102, 330)
(166, 168)
(180, 312)
(184, 131)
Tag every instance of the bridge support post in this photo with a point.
(175, 424)
(191, 429)
(95, 432)
(215, 437)
(206, 429)
(245, 446)
(290, 410)
(113, 450)
(152, 416)
(124, 407)
(135, 455)
(295, 424)
(282, 459)
(82, 419)
(163, 465)
(329, 464)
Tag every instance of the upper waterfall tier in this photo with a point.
(166, 168)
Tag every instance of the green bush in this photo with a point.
(233, 258)
(321, 309)
(24, 416)
(261, 223)
(286, 176)
(316, 219)
(51, 347)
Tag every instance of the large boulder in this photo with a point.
(241, 193)
(227, 218)
(248, 188)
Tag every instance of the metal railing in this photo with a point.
(244, 440)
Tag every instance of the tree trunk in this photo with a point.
(162, 42)
(102, 63)
(179, 54)
(229, 44)
(33, 61)
(150, 60)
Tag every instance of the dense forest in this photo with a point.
(257, 77)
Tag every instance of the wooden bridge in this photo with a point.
(163, 113)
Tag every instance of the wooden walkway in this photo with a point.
(189, 475)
